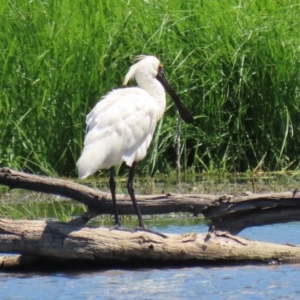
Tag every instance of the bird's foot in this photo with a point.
(150, 231)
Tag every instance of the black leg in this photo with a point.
(112, 186)
(132, 196)
(130, 189)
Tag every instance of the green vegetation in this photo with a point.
(235, 64)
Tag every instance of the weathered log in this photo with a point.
(100, 202)
(63, 242)
(235, 223)
(38, 241)
(230, 213)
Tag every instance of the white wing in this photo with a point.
(119, 128)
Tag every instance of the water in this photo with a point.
(249, 282)
(224, 282)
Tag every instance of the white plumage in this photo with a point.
(121, 126)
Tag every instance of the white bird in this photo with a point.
(121, 126)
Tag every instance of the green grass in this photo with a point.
(35, 207)
(235, 64)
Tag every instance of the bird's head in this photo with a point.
(151, 66)
(144, 64)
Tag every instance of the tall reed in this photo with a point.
(235, 64)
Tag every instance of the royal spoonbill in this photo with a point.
(121, 125)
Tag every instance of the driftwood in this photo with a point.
(75, 241)
(227, 212)
(65, 242)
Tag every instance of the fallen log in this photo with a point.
(100, 202)
(231, 213)
(40, 241)
(64, 242)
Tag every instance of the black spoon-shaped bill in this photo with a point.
(183, 112)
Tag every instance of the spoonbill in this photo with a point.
(121, 125)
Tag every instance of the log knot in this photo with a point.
(224, 198)
(5, 170)
(187, 237)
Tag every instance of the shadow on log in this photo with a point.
(232, 214)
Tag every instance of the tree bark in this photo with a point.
(64, 242)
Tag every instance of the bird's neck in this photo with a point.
(154, 88)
